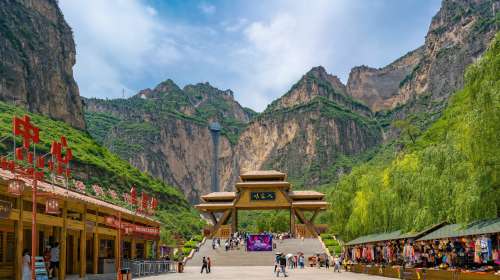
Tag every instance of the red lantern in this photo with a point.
(16, 187)
(19, 153)
(52, 206)
(40, 162)
(133, 196)
(154, 203)
(144, 202)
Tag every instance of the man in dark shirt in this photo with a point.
(282, 266)
(204, 265)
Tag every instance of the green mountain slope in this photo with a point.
(94, 164)
(451, 173)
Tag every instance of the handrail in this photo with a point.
(140, 268)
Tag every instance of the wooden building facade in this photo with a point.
(85, 228)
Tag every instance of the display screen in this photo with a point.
(262, 195)
(259, 242)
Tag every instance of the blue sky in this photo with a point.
(256, 48)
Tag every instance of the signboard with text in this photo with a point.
(263, 196)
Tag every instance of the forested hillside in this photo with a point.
(450, 173)
(94, 164)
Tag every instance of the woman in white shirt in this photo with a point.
(26, 265)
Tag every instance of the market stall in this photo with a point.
(440, 252)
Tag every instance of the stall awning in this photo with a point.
(458, 230)
(376, 238)
(395, 235)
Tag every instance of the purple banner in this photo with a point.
(259, 242)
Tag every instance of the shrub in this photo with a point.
(197, 238)
(190, 244)
(326, 236)
(186, 251)
(335, 250)
(330, 242)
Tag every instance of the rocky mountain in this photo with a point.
(37, 53)
(164, 131)
(377, 87)
(317, 130)
(308, 130)
(458, 35)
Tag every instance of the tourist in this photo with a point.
(213, 244)
(277, 261)
(26, 265)
(54, 260)
(336, 261)
(301, 261)
(327, 262)
(209, 264)
(204, 265)
(282, 262)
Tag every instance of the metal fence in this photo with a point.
(140, 268)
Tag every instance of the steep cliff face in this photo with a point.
(307, 130)
(164, 131)
(37, 54)
(459, 33)
(377, 87)
(314, 132)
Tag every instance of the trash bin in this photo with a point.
(180, 267)
(125, 274)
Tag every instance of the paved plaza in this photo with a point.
(261, 273)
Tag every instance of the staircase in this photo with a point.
(219, 257)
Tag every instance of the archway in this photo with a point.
(262, 190)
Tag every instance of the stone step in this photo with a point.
(240, 257)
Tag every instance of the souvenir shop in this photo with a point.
(50, 225)
(445, 251)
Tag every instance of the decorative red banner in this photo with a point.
(129, 228)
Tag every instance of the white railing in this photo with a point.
(140, 268)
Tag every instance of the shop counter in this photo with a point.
(440, 274)
(463, 275)
(391, 271)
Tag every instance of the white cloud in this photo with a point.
(207, 8)
(233, 26)
(257, 49)
(278, 51)
(116, 39)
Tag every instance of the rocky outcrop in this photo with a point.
(458, 34)
(314, 132)
(377, 87)
(37, 54)
(164, 131)
(307, 130)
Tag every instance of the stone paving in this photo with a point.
(261, 273)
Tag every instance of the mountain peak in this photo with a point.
(319, 72)
(167, 86)
(206, 89)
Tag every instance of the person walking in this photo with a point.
(277, 261)
(26, 265)
(337, 264)
(282, 266)
(301, 261)
(204, 265)
(209, 264)
(54, 260)
(327, 262)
